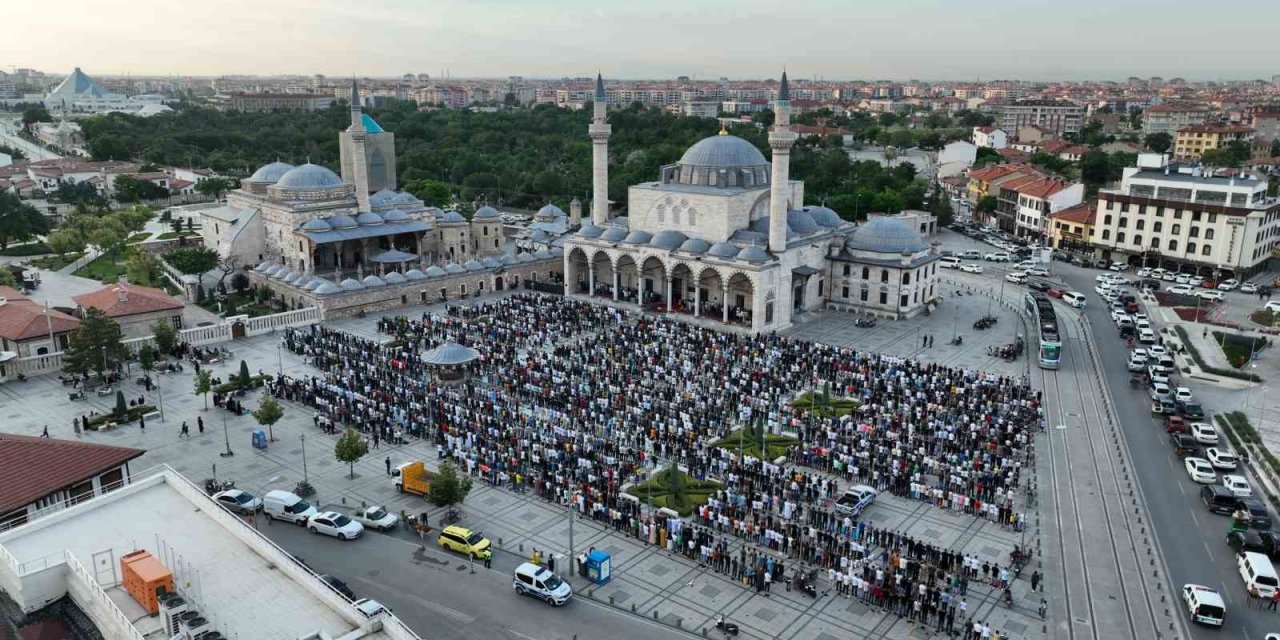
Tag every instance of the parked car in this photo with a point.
(1038, 285)
(1192, 410)
(998, 256)
(1074, 299)
(1180, 289)
(465, 541)
(1221, 458)
(1038, 271)
(1055, 292)
(1182, 394)
(376, 517)
(1210, 296)
(1230, 284)
(1248, 287)
(1184, 445)
(1016, 277)
(971, 268)
(1237, 485)
(238, 501)
(1200, 470)
(334, 524)
(1272, 306)
(1259, 516)
(1204, 433)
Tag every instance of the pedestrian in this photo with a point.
(75, 424)
(1275, 599)
(551, 562)
(924, 341)
(1044, 607)
(142, 422)
(45, 433)
(186, 431)
(1035, 580)
(388, 461)
(200, 424)
(375, 439)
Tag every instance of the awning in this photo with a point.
(804, 271)
(394, 256)
(450, 354)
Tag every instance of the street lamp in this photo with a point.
(258, 495)
(303, 438)
(228, 453)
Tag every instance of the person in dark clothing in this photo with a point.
(388, 461)
(200, 424)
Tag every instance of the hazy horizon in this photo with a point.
(1033, 40)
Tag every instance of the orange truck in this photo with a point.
(412, 477)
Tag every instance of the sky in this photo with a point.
(826, 39)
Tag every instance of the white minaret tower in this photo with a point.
(599, 132)
(781, 138)
(358, 164)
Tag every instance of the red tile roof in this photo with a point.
(1042, 188)
(32, 467)
(1216, 128)
(136, 299)
(178, 184)
(23, 319)
(1083, 213)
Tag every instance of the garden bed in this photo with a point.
(1195, 355)
(825, 405)
(28, 249)
(170, 235)
(683, 497)
(1239, 349)
(138, 237)
(54, 263)
(236, 385)
(749, 442)
(100, 421)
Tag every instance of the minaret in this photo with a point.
(358, 164)
(599, 132)
(781, 139)
(575, 213)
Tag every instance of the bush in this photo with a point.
(29, 249)
(53, 263)
(825, 405)
(98, 421)
(236, 384)
(1195, 355)
(192, 260)
(682, 497)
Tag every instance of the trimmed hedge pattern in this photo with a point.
(1195, 355)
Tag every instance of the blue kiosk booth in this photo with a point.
(599, 567)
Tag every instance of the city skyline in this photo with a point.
(914, 39)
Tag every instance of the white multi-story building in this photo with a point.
(1041, 199)
(991, 137)
(1167, 214)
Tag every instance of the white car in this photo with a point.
(376, 517)
(1215, 296)
(1248, 287)
(1103, 277)
(1118, 266)
(971, 268)
(370, 607)
(1221, 459)
(1159, 376)
(1137, 363)
(1204, 433)
(1075, 299)
(1146, 336)
(998, 256)
(1182, 279)
(1272, 306)
(1038, 271)
(1016, 277)
(1200, 470)
(1168, 276)
(1118, 315)
(1237, 485)
(1159, 388)
(1156, 350)
(1180, 289)
(1195, 281)
(1182, 394)
(1144, 272)
(238, 501)
(332, 523)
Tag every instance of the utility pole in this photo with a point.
(226, 437)
(303, 438)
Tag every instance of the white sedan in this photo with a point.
(1038, 271)
(1201, 471)
(1204, 433)
(1156, 350)
(1237, 485)
(971, 268)
(238, 501)
(332, 523)
(1248, 287)
(1180, 289)
(1182, 394)
(1229, 284)
(1221, 459)
(1214, 296)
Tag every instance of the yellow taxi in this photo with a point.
(464, 540)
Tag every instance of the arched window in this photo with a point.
(1204, 251)
(1138, 239)
(1141, 224)
(1173, 245)
(692, 219)
(662, 214)
(866, 273)
(1157, 226)
(1191, 248)
(1208, 235)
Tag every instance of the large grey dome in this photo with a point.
(317, 225)
(309, 176)
(452, 217)
(886, 235)
(723, 151)
(549, 213)
(486, 213)
(395, 216)
(270, 173)
(723, 250)
(824, 216)
(668, 239)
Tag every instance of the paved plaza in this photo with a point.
(647, 581)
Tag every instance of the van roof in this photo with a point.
(279, 494)
(532, 569)
(1206, 595)
(1261, 563)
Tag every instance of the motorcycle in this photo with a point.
(957, 341)
(806, 583)
(212, 486)
(865, 322)
(728, 628)
(78, 394)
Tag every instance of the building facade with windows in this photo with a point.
(1172, 215)
(1057, 117)
(1071, 229)
(1168, 118)
(1191, 142)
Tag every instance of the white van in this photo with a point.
(538, 581)
(1258, 573)
(1074, 298)
(950, 262)
(282, 505)
(1205, 605)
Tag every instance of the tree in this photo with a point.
(1095, 169)
(166, 335)
(216, 186)
(985, 156)
(350, 448)
(987, 205)
(7, 279)
(108, 147)
(433, 193)
(122, 408)
(143, 268)
(1234, 154)
(192, 260)
(135, 218)
(203, 385)
(147, 357)
(64, 241)
(239, 282)
(107, 233)
(268, 413)
(448, 487)
(888, 201)
(130, 189)
(96, 345)
(1158, 142)
(19, 221)
(244, 373)
(35, 113)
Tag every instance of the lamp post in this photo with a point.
(303, 438)
(274, 479)
(227, 438)
(279, 362)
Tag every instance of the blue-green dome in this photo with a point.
(886, 235)
(723, 151)
(309, 176)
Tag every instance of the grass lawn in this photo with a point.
(242, 303)
(688, 495)
(53, 263)
(107, 268)
(1238, 348)
(138, 237)
(1265, 318)
(829, 406)
(775, 445)
(28, 249)
(169, 235)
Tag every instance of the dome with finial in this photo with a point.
(886, 235)
(271, 173)
(309, 176)
(486, 214)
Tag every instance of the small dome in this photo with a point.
(394, 278)
(452, 217)
(638, 237)
(309, 176)
(542, 254)
(492, 263)
(454, 267)
(384, 196)
(282, 273)
(613, 234)
(294, 278)
(750, 237)
(368, 219)
(435, 271)
(373, 281)
(589, 230)
(723, 151)
(473, 265)
(273, 270)
(404, 198)
(263, 266)
(723, 250)
(486, 213)
(343, 222)
(540, 236)
(351, 284)
(824, 216)
(395, 216)
(270, 173)
(525, 257)
(801, 222)
(695, 245)
(549, 213)
(327, 288)
(754, 253)
(668, 239)
(316, 225)
(312, 284)
(413, 274)
(886, 235)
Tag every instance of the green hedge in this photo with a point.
(29, 249)
(1240, 432)
(657, 492)
(776, 445)
(53, 263)
(97, 422)
(827, 406)
(235, 384)
(1195, 355)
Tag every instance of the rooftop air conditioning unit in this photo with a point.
(195, 628)
(213, 635)
(171, 606)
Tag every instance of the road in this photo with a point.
(438, 596)
(1191, 538)
(34, 152)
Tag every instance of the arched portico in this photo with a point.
(740, 299)
(680, 293)
(652, 281)
(628, 277)
(711, 293)
(600, 274)
(576, 270)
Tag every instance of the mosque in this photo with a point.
(723, 235)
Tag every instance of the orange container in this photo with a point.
(145, 578)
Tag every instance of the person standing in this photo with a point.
(388, 461)
(200, 424)
(142, 422)
(1035, 580)
(1044, 607)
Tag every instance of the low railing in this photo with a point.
(72, 501)
(267, 324)
(119, 626)
(200, 336)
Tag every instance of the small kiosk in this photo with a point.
(599, 567)
(449, 362)
(259, 439)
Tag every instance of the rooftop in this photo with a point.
(125, 299)
(33, 467)
(22, 319)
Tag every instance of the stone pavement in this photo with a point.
(645, 577)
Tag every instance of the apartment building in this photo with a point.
(1038, 200)
(1175, 216)
(992, 137)
(1191, 142)
(260, 102)
(1059, 117)
(1169, 118)
(1071, 229)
